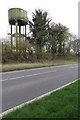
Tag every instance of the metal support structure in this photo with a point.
(16, 38)
(25, 32)
(25, 38)
(20, 37)
(11, 37)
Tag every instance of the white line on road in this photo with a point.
(35, 99)
(34, 74)
(27, 76)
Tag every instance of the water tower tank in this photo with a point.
(17, 14)
(17, 17)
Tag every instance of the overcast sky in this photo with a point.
(61, 11)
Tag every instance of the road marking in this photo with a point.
(33, 74)
(27, 76)
(36, 69)
(35, 99)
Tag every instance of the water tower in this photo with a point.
(17, 20)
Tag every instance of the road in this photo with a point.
(21, 86)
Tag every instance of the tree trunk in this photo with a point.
(63, 48)
(60, 48)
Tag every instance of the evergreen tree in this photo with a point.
(39, 27)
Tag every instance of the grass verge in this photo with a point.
(60, 104)
(21, 66)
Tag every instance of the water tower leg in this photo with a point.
(11, 38)
(25, 38)
(20, 37)
(16, 38)
(25, 32)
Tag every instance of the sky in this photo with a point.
(61, 11)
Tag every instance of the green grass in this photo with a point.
(60, 104)
(21, 66)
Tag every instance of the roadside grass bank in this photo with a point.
(21, 66)
(60, 104)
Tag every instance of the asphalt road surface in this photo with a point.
(21, 86)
